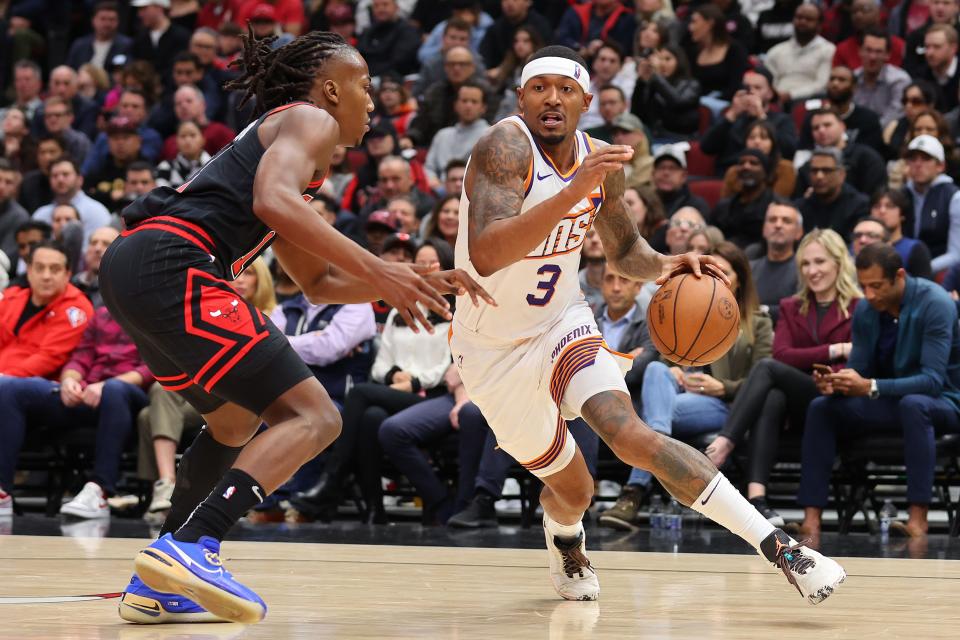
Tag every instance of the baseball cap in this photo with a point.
(120, 124)
(400, 241)
(383, 218)
(627, 121)
(146, 3)
(263, 13)
(927, 144)
(676, 152)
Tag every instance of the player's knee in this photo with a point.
(324, 427)
(582, 497)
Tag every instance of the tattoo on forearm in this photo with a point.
(683, 471)
(498, 167)
(627, 251)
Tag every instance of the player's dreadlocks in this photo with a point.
(278, 76)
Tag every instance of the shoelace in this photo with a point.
(574, 559)
(790, 560)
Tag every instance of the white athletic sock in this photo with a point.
(563, 531)
(723, 504)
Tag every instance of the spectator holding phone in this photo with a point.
(903, 377)
(813, 330)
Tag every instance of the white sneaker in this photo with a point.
(162, 492)
(814, 575)
(6, 504)
(572, 575)
(89, 503)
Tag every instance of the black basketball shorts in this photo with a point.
(199, 337)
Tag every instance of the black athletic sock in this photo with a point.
(201, 468)
(233, 496)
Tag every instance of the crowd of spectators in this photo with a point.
(826, 131)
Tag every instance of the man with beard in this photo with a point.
(941, 12)
(801, 65)
(832, 202)
(941, 68)
(863, 125)
(775, 274)
(741, 216)
(864, 165)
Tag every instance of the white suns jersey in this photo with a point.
(535, 292)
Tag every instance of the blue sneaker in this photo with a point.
(143, 605)
(195, 570)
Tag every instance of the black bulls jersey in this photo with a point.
(219, 199)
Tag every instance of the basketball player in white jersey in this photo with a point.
(534, 185)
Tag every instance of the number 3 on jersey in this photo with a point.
(547, 285)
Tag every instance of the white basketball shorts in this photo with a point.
(527, 391)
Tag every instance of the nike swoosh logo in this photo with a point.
(540, 177)
(256, 492)
(188, 561)
(150, 611)
(709, 495)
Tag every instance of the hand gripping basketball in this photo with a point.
(693, 321)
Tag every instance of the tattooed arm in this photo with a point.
(627, 252)
(498, 235)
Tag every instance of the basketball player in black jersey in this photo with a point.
(166, 281)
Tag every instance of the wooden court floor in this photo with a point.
(352, 591)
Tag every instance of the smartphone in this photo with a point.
(822, 368)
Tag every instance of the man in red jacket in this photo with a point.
(41, 324)
(39, 327)
(102, 384)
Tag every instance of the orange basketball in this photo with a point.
(693, 321)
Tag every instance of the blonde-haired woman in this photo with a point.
(813, 328)
(255, 285)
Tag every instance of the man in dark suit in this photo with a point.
(104, 43)
(159, 41)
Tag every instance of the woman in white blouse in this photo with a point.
(408, 369)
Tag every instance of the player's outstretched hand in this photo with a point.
(403, 287)
(693, 263)
(595, 167)
(458, 282)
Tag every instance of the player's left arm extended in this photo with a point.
(628, 253)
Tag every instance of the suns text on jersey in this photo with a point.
(567, 236)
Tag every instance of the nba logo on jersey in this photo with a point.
(229, 492)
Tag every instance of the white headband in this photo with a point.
(556, 66)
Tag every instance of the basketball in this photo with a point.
(693, 321)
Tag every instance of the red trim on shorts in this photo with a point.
(186, 235)
(227, 343)
(197, 229)
(177, 387)
(171, 378)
